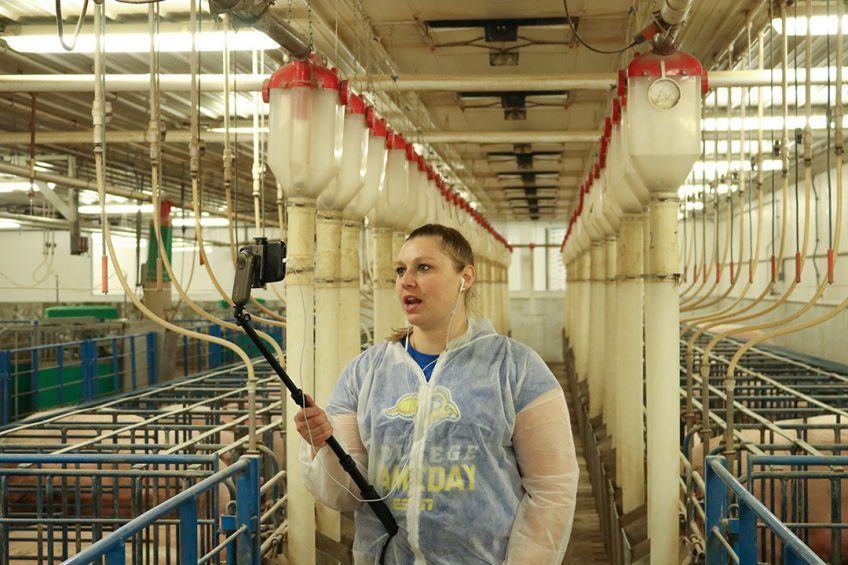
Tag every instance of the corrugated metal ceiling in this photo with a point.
(369, 31)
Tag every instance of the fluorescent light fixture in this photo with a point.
(134, 38)
(697, 190)
(117, 209)
(118, 242)
(689, 190)
(183, 248)
(205, 222)
(750, 147)
(711, 167)
(16, 186)
(9, 225)
(89, 197)
(817, 122)
(819, 25)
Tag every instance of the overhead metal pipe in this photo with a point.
(184, 136)
(63, 180)
(382, 83)
(250, 13)
(674, 11)
(41, 222)
(486, 83)
(126, 83)
(540, 82)
(574, 136)
(125, 136)
(283, 34)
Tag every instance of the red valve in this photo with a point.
(104, 275)
(830, 266)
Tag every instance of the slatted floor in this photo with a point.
(586, 546)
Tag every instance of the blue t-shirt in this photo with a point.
(424, 360)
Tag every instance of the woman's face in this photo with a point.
(427, 283)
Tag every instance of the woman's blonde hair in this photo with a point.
(454, 245)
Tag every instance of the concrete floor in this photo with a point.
(586, 546)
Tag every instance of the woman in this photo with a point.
(463, 431)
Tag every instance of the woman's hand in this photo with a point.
(313, 424)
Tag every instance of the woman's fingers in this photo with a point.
(313, 425)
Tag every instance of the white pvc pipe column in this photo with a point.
(584, 276)
(386, 222)
(485, 270)
(491, 275)
(610, 338)
(596, 365)
(506, 253)
(496, 291)
(662, 368)
(630, 461)
(567, 251)
(352, 235)
(607, 215)
(664, 132)
(306, 125)
(327, 304)
(503, 299)
(630, 195)
(349, 304)
(300, 348)
(481, 284)
(384, 284)
(330, 203)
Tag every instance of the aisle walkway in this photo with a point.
(587, 545)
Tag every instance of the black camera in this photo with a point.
(258, 264)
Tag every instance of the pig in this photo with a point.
(818, 497)
(22, 552)
(76, 499)
(76, 429)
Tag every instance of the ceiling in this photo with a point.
(374, 42)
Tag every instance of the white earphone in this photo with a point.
(461, 286)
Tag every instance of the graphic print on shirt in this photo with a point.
(447, 468)
(444, 409)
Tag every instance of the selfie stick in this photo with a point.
(257, 265)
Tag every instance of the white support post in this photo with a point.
(596, 362)
(328, 257)
(630, 463)
(662, 370)
(385, 303)
(610, 341)
(300, 344)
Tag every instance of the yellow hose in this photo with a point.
(837, 227)
(699, 303)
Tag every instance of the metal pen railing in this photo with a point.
(195, 356)
(202, 414)
(241, 544)
(45, 376)
(732, 514)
